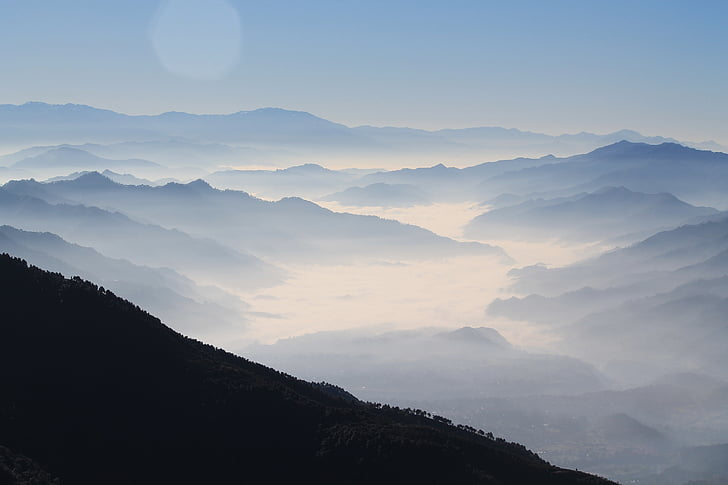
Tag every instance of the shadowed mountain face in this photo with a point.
(611, 213)
(97, 391)
(288, 229)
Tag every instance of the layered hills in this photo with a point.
(291, 228)
(657, 305)
(610, 213)
(97, 391)
(277, 135)
(176, 299)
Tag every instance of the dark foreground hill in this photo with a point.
(94, 390)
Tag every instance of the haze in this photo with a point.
(512, 215)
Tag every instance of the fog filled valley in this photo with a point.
(568, 293)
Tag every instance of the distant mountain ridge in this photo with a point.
(308, 136)
(79, 159)
(696, 176)
(609, 213)
(382, 195)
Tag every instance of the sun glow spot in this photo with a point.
(197, 39)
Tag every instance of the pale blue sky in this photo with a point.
(659, 67)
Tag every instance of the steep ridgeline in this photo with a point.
(97, 391)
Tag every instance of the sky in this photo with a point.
(657, 67)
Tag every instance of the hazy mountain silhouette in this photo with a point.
(685, 247)
(180, 152)
(445, 183)
(309, 180)
(437, 182)
(120, 178)
(381, 195)
(427, 364)
(676, 331)
(696, 176)
(116, 235)
(177, 300)
(570, 306)
(650, 308)
(626, 434)
(65, 158)
(97, 391)
(289, 229)
(73, 123)
(610, 213)
(268, 131)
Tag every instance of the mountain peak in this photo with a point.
(91, 179)
(477, 335)
(306, 168)
(198, 186)
(627, 149)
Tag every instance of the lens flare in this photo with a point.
(197, 39)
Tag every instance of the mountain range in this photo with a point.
(289, 229)
(381, 195)
(695, 176)
(118, 236)
(97, 391)
(79, 159)
(657, 305)
(610, 213)
(176, 299)
(274, 134)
